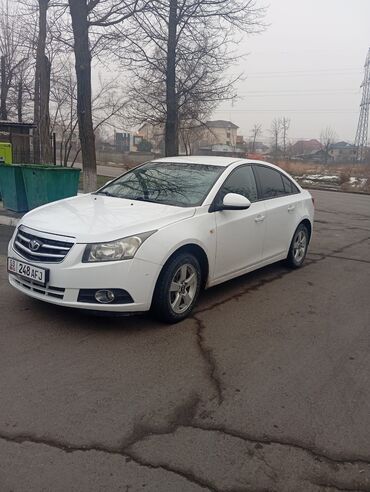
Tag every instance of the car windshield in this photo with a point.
(179, 184)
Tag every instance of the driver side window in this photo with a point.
(240, 181)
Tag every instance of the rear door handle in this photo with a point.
(291, 208)
(259, 218)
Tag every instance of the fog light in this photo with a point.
(104, 296)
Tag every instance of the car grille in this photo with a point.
(55, 292)
(41, 249)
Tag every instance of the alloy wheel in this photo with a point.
(299, 246)
(183, 288)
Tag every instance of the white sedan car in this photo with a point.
(154, 237)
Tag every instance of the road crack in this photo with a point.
(123, 453)
(279, 276)
(342, 258)
(312, 451)
(241, 293)
(128, 454)
(207, 353)
(336, 486)
(209, 358)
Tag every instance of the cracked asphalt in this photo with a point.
(265, 388)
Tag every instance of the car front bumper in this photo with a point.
(137, 277)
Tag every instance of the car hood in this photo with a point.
(97, 218)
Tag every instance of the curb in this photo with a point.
(8, 221)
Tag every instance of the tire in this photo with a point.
(177, 288)
(298, 247)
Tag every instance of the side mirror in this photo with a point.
(234, 201)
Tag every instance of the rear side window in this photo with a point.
(289, 186)
(240, 181)
(270, 181)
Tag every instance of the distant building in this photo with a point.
(199, 139)
(220, 132)
(260, 147)
(304, 147)
(122, 141)
(153, 134)
(222, 150)
(240, 140)
(315, 156)
(342, 152)
(19, 135)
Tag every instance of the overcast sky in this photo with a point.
(307, 65)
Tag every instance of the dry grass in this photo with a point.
(349, 176)
(299, 168)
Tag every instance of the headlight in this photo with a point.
(121, 249)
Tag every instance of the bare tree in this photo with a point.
(199, 87)
(107, 108)
(99, 16)
(256, 132)
(15, 57)
(285, 125)
(41, 140)
(327, 138)
(63, 99)
(275, 131)
(181, 57)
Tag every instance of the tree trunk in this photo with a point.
(171, 129)
(45, 137)
(41, 141)
(20, 100)
(36, 117)
(80, 26)
(4, 91)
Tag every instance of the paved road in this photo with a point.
(111, 171)
(265, 388)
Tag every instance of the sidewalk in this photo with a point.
(7, 217)
(110, 171)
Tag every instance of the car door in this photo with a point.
(240, 233)
(282, 208)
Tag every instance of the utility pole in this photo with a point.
(363, 122)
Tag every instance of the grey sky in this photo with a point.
(307, 65)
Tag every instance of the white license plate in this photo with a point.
(31, 272)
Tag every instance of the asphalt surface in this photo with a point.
(111, 171)
(265, 388)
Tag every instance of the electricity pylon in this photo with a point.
(363, 122)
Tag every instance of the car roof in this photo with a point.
(201, 159)
(217, 161)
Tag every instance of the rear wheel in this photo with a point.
(298, 247)
(177, 289)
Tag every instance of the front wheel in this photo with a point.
(298, 247)
(177, 289)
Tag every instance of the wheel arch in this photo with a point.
(306, 222)
(198, 252)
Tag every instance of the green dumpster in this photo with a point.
(13, 189)
(6, 155)
(45, 184)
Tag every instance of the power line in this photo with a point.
(309, 91)
(295, 94)
(319, 111)
(290, 74)
(363, 122)
(318, 70)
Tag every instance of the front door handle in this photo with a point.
(259, 218)
(291, 208)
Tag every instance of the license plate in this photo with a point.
(31, 272)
